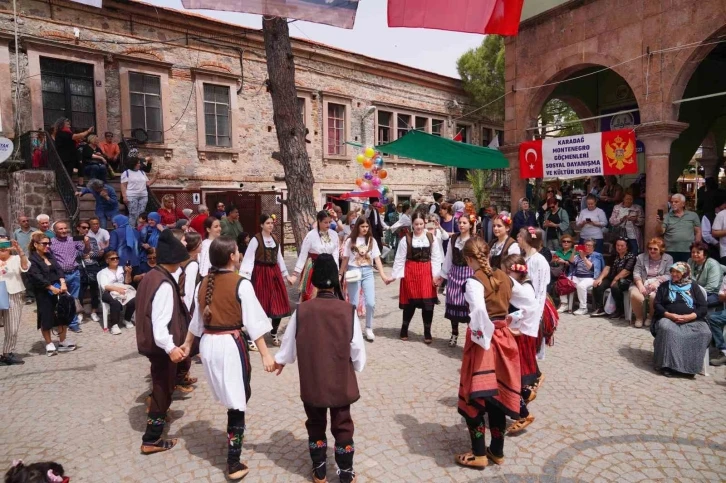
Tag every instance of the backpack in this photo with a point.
(65, 309)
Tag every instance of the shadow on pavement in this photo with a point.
(442, 450)
(640, 358)
(206, 442)
(289, 453)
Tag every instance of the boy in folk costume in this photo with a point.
(490, 372)
(225, 303)
(161, 327)
(327, 378)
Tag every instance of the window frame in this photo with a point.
(217, 114)
(346, 103)
(413, 115)
(7, 109)
(145, 107)
(201, 77)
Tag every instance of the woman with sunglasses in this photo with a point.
(651, 269)
(617, 276)
(48, 281)
(114, 282)
(561, 264)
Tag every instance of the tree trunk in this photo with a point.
(289, 126)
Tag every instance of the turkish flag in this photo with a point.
(474, 16)
(530, 160)
(459, 137)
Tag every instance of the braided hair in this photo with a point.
(478, 249)
(509, 265)
(219, 252)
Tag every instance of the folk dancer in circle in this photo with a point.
(502, 243)
(319, 240)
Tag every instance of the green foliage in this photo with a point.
(481, 183)
(557, 111)
(482, 74)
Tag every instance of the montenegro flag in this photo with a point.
(499, 17)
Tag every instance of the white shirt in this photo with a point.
(313, 243)
(109, 277)
(399, 264)
(589, 230)
(248, 262)
(13, 280)
(365, 260)
(482, 327)
(135, 182)
(706, 232)
(288, 350)
(449, 257)
(527, 317)
(719, 223)
(204, 264)
(102, 237)
(539, 274)
(190, 282)
(161, 312)
(403, 220)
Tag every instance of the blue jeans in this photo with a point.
(717, 321)
(136, 206)
(599, 243)
(679, 256)
(103, 214)
(633, 246)
(369, 290)
(95, 170)
(73, 282)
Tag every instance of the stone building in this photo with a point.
(657, 65)
(197, 86)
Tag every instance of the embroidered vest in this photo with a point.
(419, 254)
(457, 256)
(266, 255)
(495, 261)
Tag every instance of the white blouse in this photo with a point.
(449, 257)
(109, 277)
(10, 274)
(364, 260)
(248, 262)
(497, 247)
(204, 264)
(313, 243)
(482, 327)
(288, 350)
(190, 282)
(399, 264)
(539, 274)
(527, 317)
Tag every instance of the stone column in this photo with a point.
(657, 138)
(517, 185)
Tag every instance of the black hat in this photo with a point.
(169, 250)
(437, 196)
(325, 272)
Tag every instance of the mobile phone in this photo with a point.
(579, 248)
(589, 220)
(78, 238)
(128, 263)
(6, 244)
(660, 213)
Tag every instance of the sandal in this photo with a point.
(519, 425)
(184, 389)
(158, 446)
(276, 340)
(452, 340)
(187, 380)
(539, 381)
(468, 459)
(497, 460)
(428, 341)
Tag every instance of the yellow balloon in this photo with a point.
(360, 158)
(370, 152)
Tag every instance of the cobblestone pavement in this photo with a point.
(602, 414)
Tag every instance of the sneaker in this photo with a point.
(50, 350)
(128, 324)
(115, 330)
(29, 301)
(638, 324)
(646, 322)
(75, 328)
(563, 308)
(11, 359)
(452, 340)
(598, 313)
(370, 336)
(580, 312)
(95, 317)
(237, 471)
(718, 361)
(66, 346)
(79, 319)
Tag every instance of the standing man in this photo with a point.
(44, 225)
(556, 223)
(22, 236)
(197, 224)
(378, 226)
(231, 226)
(111, 150)
(162, 320)
(436, 206)
(101, 236)
(91, 263)
(680, 228)
(487, 216)
(66, 251)
(220, 213)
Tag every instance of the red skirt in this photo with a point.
(270, 290)
(490, 376)
(528, 358)
(417, 286)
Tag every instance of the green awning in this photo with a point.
(438, 150)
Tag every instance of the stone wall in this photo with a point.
(31, 193)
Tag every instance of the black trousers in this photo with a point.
(92, 285)
(163, 380)
(117, 307)
(341, 425)
(426, 315)
(617, 291)
(497, 428)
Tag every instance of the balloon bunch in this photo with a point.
(372, 179)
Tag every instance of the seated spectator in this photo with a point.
(197, 224)
(91, 265)
(651, 269)
(681, 333)
(111, 151)
(94, 162)
(705, 271)
(115, 284)
(585, 268)
(141, 221)
(628, 218)
(169, 212)
(617, 277)
(182, 225)
(106, 200)
(559, 265)
(591, 221)
(44, 226)
(145, 266)
(125, 241)
(717, 322)
(524, 217)
(219, 213)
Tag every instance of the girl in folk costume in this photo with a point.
(530, 240)
(502, 244)
(456, 272)
(212, 231)
(418, 263)
(360, 252)
(319, 240)
(490, 380)
(264, 265)
(525, 327)
(225, 303)
(188, 281)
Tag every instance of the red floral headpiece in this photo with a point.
(518, 268)
(532, 231)
(506, 219)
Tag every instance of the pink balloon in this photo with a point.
(365, 186)
(376, 182)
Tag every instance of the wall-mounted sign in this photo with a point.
(6, 149)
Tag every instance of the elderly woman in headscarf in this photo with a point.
(149, 235)
(524, 217)
(458, 208)
(124, 241)
(681, 334)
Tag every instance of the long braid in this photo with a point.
(477, 248)
(207, 315)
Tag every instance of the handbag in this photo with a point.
(564, 286)
(353, 276)
(4, 296)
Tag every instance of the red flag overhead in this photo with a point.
(459, 137)
(475, 16)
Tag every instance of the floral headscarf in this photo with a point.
(682, 287)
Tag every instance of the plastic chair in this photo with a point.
(105, 310)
